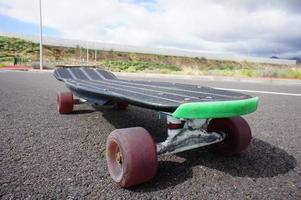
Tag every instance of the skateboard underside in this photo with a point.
(183, 100)
(196, 116)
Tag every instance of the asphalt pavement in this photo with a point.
(44, 155)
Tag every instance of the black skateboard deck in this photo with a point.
(98, 84)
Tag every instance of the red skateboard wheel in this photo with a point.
(131, 156)
(65, 102)
(122, 105)
(238, 135)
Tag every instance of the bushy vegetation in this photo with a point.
(138, 66)
(18, 48)
(27, 53)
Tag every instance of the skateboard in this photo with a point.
(196, 116)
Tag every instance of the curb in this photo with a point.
(43, 71)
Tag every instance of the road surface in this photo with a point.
(44, 155)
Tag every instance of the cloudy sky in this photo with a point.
(243, 27)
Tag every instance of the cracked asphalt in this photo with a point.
(44, 155)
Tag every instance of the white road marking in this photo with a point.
(261, 92)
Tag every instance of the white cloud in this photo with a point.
(270, 27)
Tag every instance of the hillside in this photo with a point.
(14, 47)
(27, 53)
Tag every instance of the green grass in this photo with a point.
(219, 69)
(138, 66)
(285, 73)
(294, 73)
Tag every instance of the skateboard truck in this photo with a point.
(78, 101)
(187, 134)
(101, 103)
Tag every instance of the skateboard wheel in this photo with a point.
(238, 135)
(131, 156)
(121, 105)
(65, 102)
